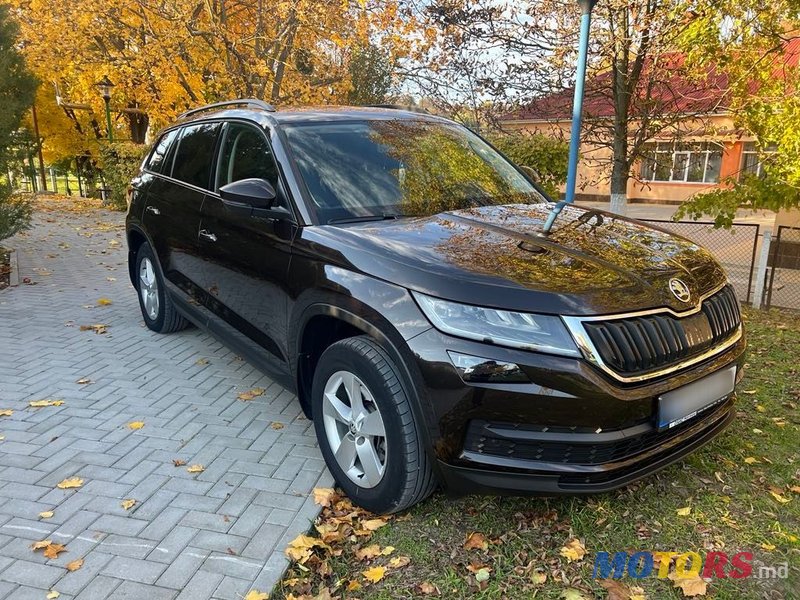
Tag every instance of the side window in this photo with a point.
(160, 158)
(195, 155)
(246, 154)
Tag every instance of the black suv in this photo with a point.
(393, 269)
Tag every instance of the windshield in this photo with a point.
(382, 169)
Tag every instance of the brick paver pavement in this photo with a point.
(214, 534)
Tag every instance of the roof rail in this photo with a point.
(409, 108)
(248, 102)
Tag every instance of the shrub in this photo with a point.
(546, 156)
(16, 211)
(120, 162)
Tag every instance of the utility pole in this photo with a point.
(42, 174)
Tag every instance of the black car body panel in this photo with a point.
(276, 289)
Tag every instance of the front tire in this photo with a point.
(366, 429)
(158, 310)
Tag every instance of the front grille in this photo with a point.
(517, 441)
(637, 345)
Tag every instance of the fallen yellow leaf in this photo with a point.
(74, 565)
(52, 595)
(128, 504)
(104, 302)
(6, 412)
(98, 328)
(41, 544)
(135, 425)
(250, 394)
(324, 496)
(256, 595)
(72, 482)
(538, 577)
(760, 408)
(196, 469)
(427, 588)
(795, 489)
(751, 460)
(53, 550)
(767, 547)
(275, 425)
(572, 594)
(684, 512)
(387, 550)
(353, 586)
(42, 403)
(201, 361)
(476, 541)
(375, 574)
(84, 381)
(690, 586)
(373, 524)
(368, 552)
(46, 514)
(780, 497)
(573, 550)
(399, 561)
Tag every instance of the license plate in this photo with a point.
(682, 404)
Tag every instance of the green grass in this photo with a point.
(731, 510)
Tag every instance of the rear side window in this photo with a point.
(195, 155)
(161, 157)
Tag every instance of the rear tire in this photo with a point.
(158, 310)
(381, 473)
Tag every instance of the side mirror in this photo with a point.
(248, 193)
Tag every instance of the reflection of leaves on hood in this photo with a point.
(440, 171)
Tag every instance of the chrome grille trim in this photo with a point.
(592, 355)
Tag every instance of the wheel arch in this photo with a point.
(136, 237)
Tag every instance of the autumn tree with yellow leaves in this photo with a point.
(167, 56)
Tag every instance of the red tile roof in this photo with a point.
(673, 95)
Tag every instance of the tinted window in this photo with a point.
(195, 154)
(401, 167)
(160, 158)
(246, 154)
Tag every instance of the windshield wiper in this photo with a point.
(364, 219)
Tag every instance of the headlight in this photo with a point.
(541, 333)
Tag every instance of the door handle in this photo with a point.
(153, 209)
(207, 235)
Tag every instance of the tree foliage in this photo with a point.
(120, 162)
(371, 72)
(498, 56)
(17, 89)
(748, 39)
(546, 156)
(168, 56)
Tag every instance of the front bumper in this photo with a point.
(570, 430)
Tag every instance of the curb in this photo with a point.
(13, 276)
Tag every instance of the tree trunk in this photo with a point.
(619, 186)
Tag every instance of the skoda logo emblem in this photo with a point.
(679, 289)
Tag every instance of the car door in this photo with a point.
(246, 258)
(174, 199)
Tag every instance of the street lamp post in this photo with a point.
(105, 86)
(577, 100)
(577, 110)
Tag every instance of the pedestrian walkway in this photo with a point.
(72, 332)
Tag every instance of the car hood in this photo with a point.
(593, 262)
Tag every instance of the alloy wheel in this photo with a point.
(148, 288)
(354, 428)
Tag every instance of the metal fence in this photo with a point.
(783, 265)
(736, 248)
